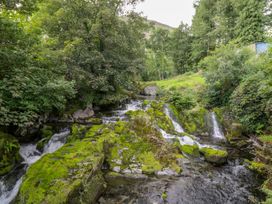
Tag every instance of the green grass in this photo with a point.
(193, 81)
(266, 138)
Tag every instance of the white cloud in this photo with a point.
(170, 12)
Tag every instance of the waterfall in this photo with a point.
(177, 126)
(217, 133)
(56, 142)
(9, 187)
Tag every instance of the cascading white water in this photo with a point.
(217, 133)
(30, 155)
(56, 142)
(120, 114)
(177, 126)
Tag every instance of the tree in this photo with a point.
(225, 69)
(29, 85)
(182, 49)
(203, 26)
(250, 26)
(158, 61)
(101, 51)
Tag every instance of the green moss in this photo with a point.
(191, 150)
(46, 133)
(95, 121)
(157, 114)
(258, 167)
(146, 102)
(215, 156)
(266, 139)
(164, 196)
(126, 142)
(235, 132)
(267, 189)
(93, 131)
(78, 132)
(56, 176)
(149, 163)
(9, 152)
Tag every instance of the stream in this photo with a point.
(199, 183)
(10, 183)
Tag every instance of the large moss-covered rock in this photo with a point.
(214, 156)
(191, 150)
(135, 146)
(193, 121)
(70, 175)
(9, 152)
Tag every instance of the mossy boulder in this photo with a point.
(135, 146)
(258, 167)
(193, 121)
(156, 111)
(191, 150)
(214, 156)
(70, 175)
(9, 153)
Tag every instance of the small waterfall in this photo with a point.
(177, 126)
(167, 135)
(217, 133)
(120, 114)
(187, 141)
(56, 142)
(10, 184)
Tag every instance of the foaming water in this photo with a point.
(217, 133)
(56, 142)
(120, 113)
(10, 184)
(177, 126)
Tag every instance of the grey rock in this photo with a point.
(150, 91)
(84, 114)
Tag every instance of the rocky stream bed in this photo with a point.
(140, 154)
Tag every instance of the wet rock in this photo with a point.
(70, 175)
(214, 156)
(166, 172)
(84, 114)
(117, 169)
(150, 90)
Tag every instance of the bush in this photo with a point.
(182, 102)
(225, 70)
(251, 102)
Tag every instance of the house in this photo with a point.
(260, 47)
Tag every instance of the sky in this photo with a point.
(170, 12)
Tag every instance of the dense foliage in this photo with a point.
(242, 81)
(54, 50)
(158, 60)
(29, 81)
